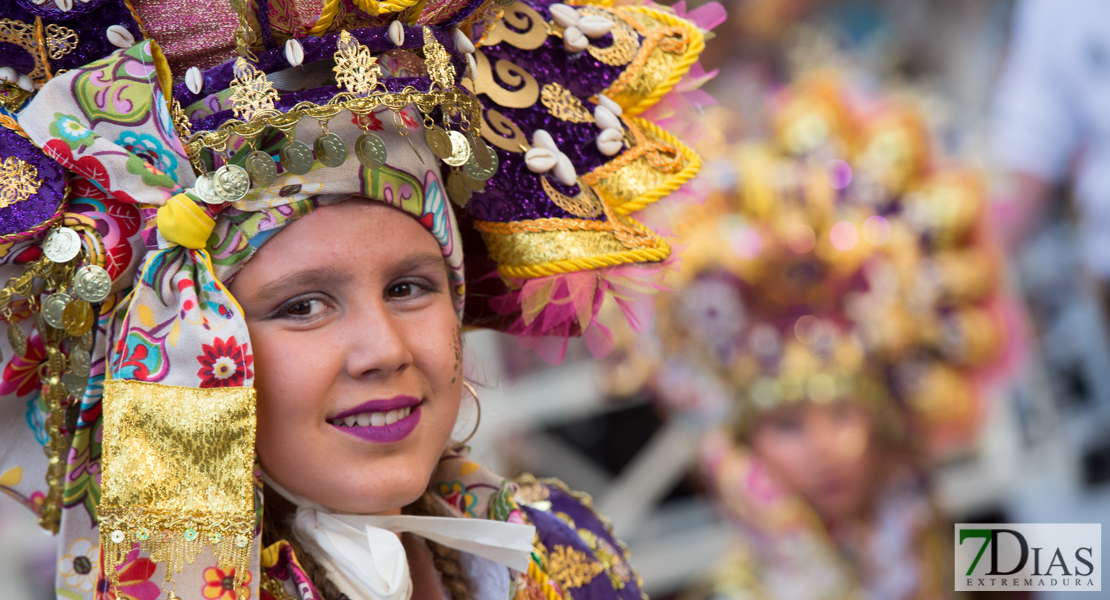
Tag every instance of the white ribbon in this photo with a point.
(363, 554)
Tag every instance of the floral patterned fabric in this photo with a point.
(575, 557)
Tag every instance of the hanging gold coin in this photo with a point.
(370, 150)
(205, 189)
(231, 183)
(296, 157)
(473, 184)
(480, 149)
(85, 342)
(75, 384)
(261, 168)
(62, 245)
(92, 283)
(457, 189)
(477, 172)
(77, 318)
(460, 150)
(80, 362)
(330, 150)
(17, 339)
(53, 307)
(438, 142)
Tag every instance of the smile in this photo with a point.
(374, 419)
(380, 421)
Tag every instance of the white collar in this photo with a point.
(364, 556)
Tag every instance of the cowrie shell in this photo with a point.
(540, 160)
(564, 170)
(610, 142)
(563, 15)
(613, 107)
(25, 82)
(194, 80)
(120, 37)
(594, 26)
(606, 119)
(294, 53)
(396, 33)
(64, 5)
(462, 42)
(8, 74)
(543, 139)
(40, 2)
(574, 40)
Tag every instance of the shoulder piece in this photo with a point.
(576, 554)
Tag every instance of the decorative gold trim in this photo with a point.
(584, 204)
(564, 105)
(670, 47)
(654, 165)
(355, 68)
(60, 40)
(24, 35)
(19, 181)
(252, 92)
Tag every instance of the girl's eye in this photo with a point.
(402, 290)
(303, 308)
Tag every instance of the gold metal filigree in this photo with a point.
(60, 40)
(23, 35)
(19, 181)
(251, 92)
(355, 68)
(572, 568)
(564, 105)
(625, 43)
(584, 204)
(439, 63)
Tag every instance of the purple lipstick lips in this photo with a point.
(380, 421)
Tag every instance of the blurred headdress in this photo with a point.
(847, 262)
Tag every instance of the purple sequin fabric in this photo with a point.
(515, 193)
(37, 208)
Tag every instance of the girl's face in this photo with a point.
(356, 344)
(824, 452)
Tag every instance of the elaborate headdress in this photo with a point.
(150, 148)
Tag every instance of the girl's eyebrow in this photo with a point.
(319, 277)
(416, 262)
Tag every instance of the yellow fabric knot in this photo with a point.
(183, 222)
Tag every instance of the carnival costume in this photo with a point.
(845, 265)
(151, 147)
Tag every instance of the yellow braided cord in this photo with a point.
(327, 16)
(693, 165)
(537, 575)
(574, 265)
(697, 44)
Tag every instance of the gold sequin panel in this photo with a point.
(178, 450)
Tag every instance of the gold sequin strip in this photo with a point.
(177, 474)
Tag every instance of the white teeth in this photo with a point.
(391, 417)
(363, 420)
(350, 421)
(374, 419)
(377, 419)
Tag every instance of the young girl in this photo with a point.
(237, 287)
